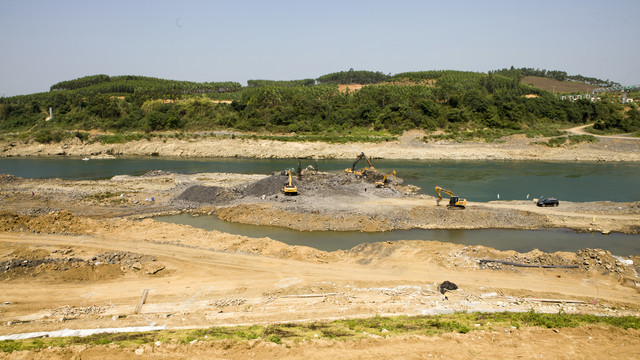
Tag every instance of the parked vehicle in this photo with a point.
(547, 201)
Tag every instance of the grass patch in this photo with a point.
(120, 138)
(350, 329)
(106, 197)
(327, 138)
(491, 135)
(573, 140)
(576, 139)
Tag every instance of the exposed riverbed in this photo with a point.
(478, 180)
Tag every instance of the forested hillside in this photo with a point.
(452, 101)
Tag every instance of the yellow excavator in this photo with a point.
(364, 170)
(455, 202)
(383, 182)
(289, 188)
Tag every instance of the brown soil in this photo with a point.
(71, 256)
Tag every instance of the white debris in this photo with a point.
(80, 332)
(489, 295)
(628, 262)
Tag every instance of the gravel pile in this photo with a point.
(69, 311)
(153, 173)
(122, 258)
(601, 260)
(267, 186)
(126, 259)
(207, 194)
(30, 263)
(309, 186)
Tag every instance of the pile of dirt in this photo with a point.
(124, 258)
(65, 269)
(603, 262)
(8, 178)
(25, 262)
(311, 185)
(532, 258)
(267, 186)
(213, 195)
(56, 222)
(154, 173)
(71, 311)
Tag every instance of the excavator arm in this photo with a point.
(360, 172)
(383, 182)
(455, 202)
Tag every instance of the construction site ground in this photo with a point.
(78, 255)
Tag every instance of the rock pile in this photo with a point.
(228, 302)
(127, 259)
(207, 195)
(603, 261)
(69, 311)
(31, 263)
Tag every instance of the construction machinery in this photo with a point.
(364, 170)
(383, 182)
(289, 188)
(455, 202)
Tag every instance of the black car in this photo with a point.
(548, 201)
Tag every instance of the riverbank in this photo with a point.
(408, 146)
(75, 255)
(327, 202)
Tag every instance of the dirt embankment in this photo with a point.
(93, 277)
(326, 201)
(408, 146)
(344, 202)
(64, 271)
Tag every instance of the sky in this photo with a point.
(44, 42)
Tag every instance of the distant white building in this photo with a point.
(580, 97)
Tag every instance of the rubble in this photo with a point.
(69, 311)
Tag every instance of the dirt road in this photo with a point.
(579, 130)
(211, 278)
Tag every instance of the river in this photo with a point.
(476, 180)
(501, 239)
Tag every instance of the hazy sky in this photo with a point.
(47, 41)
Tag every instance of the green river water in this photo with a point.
(475, 180)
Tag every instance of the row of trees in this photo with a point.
(448, 100)
(520, 73)
(130, 84)
(353, 77)
(283, 83)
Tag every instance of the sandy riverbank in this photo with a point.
(408, 146)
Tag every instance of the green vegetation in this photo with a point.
(573, 139)
(353, 77)
(555, 75)
(350, 329)
(284, 83)
(464, 105)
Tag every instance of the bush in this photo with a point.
(48, 136)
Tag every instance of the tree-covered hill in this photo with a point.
(432, 100)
